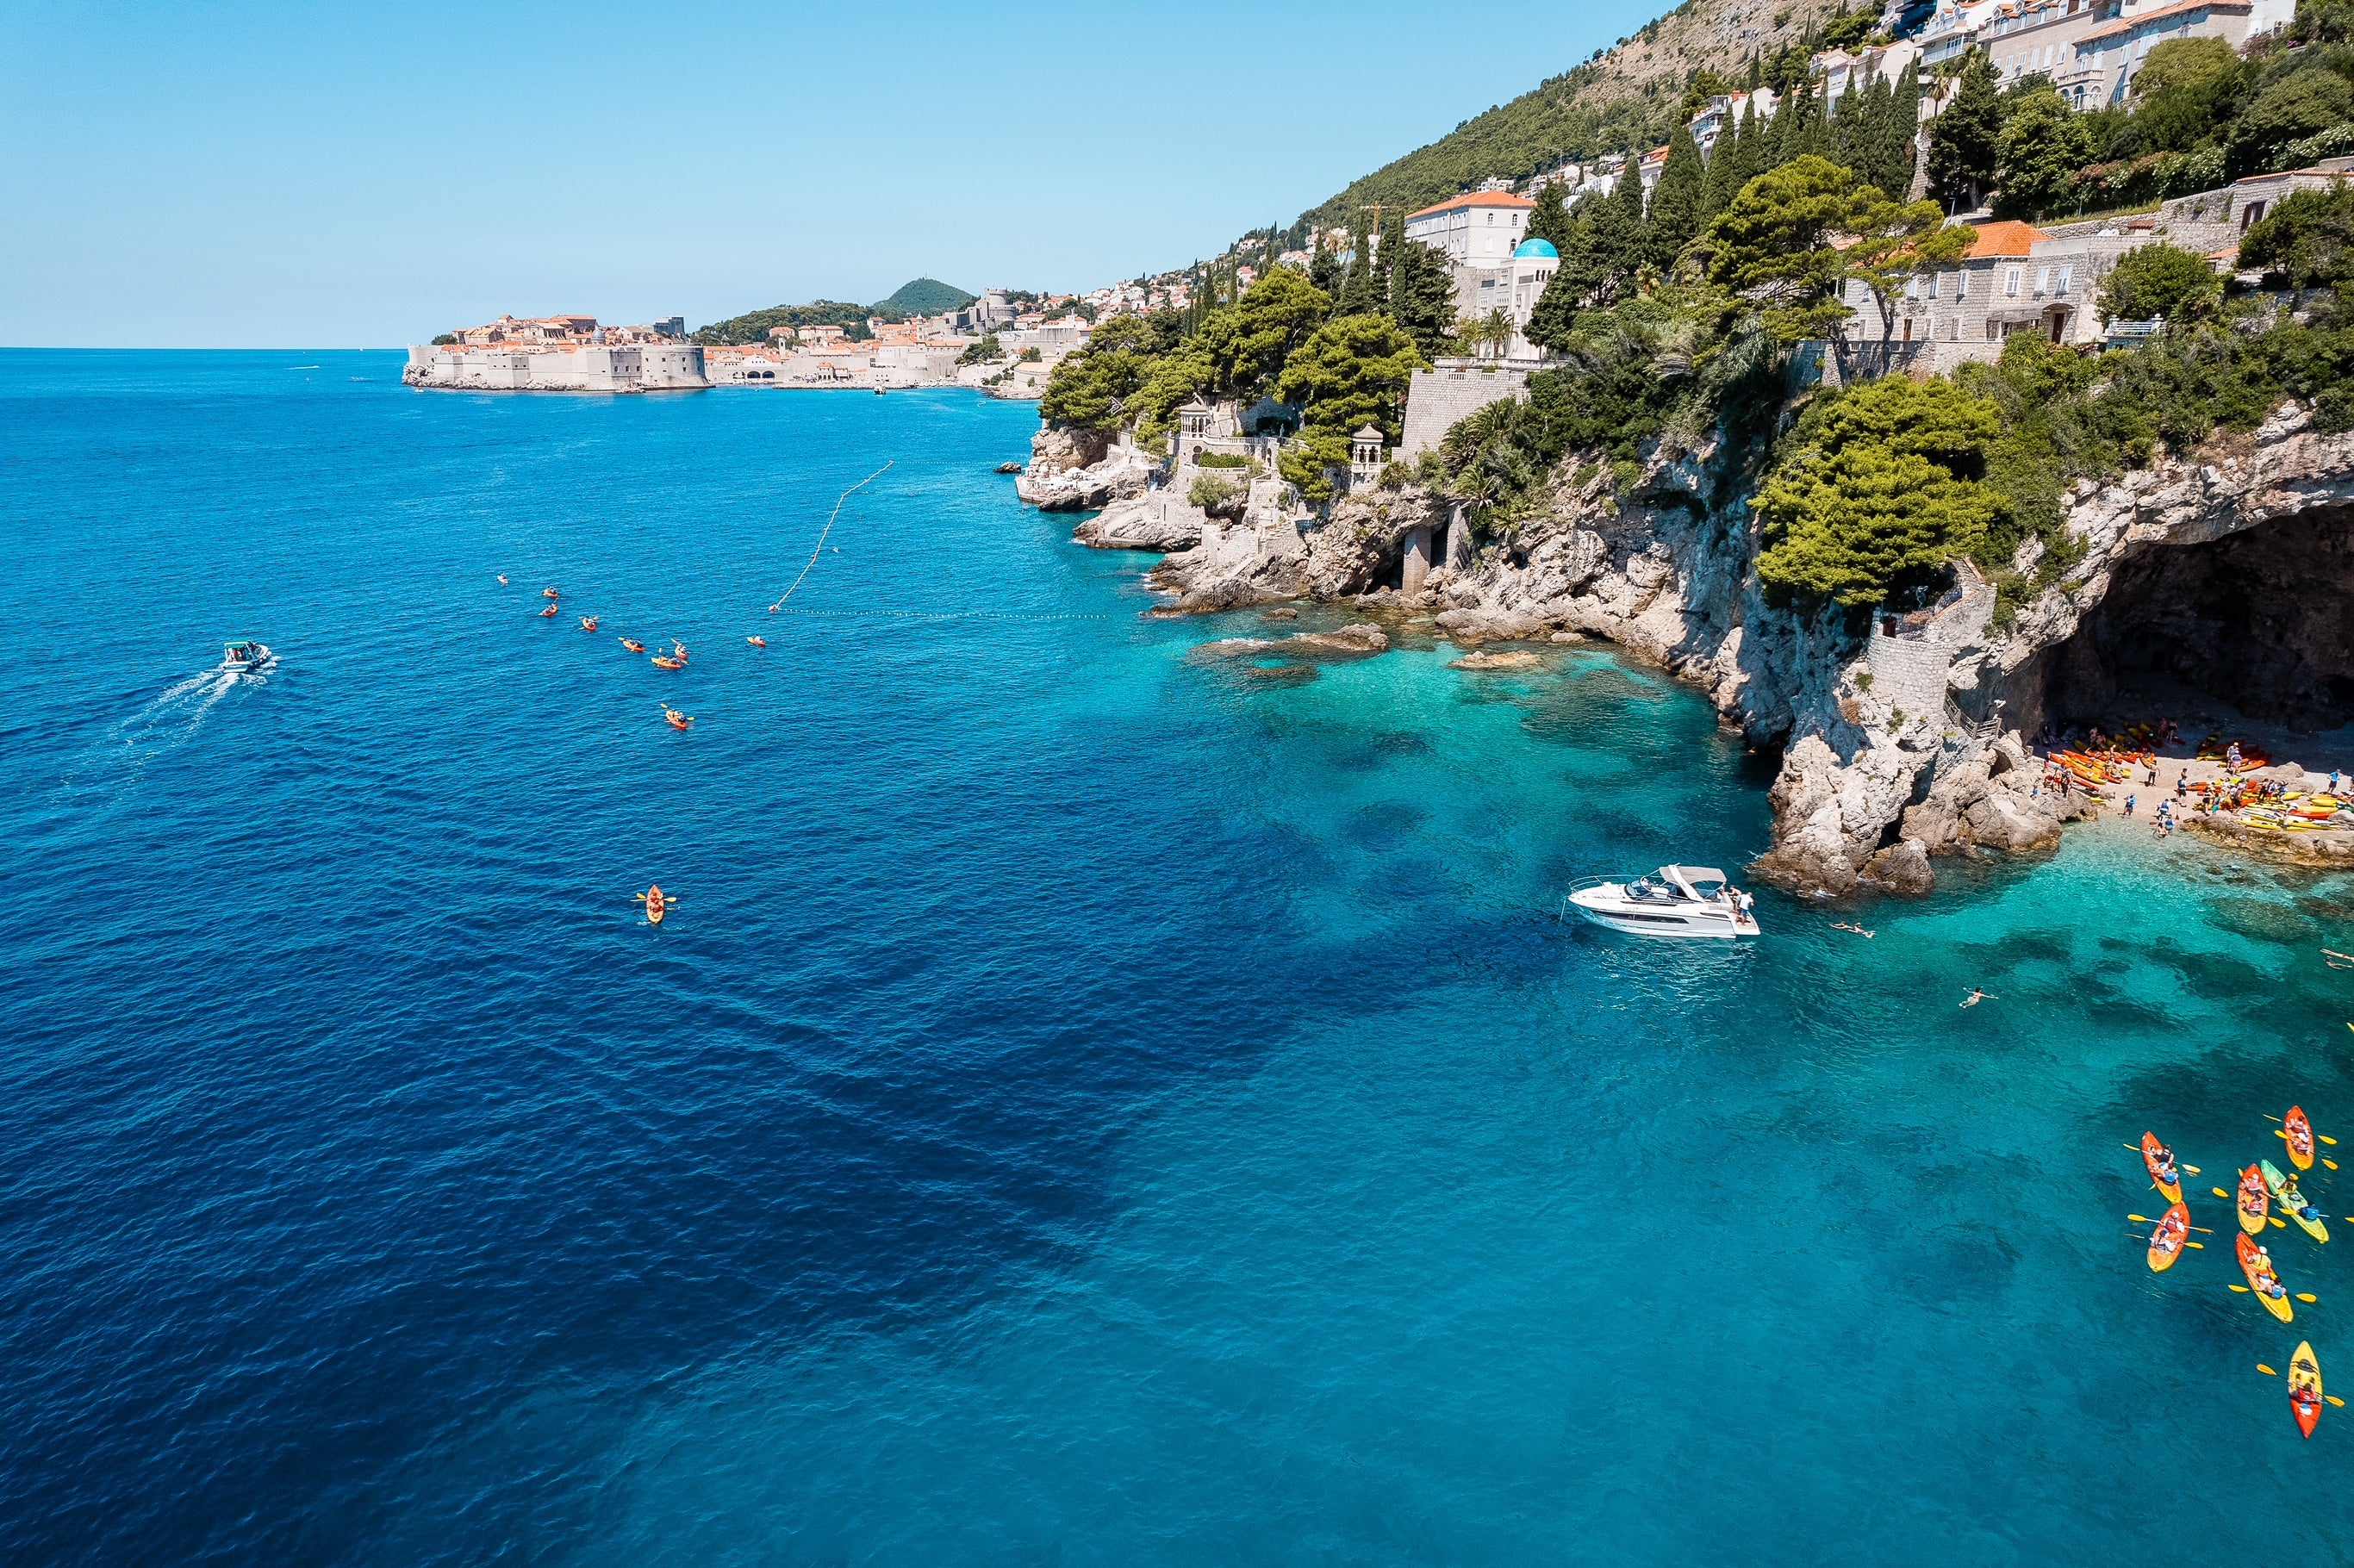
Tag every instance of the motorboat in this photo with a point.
(1673, 901)
(246, 655)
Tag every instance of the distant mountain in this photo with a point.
(926, 297)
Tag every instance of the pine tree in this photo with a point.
(1966, 138)
(1675, 215)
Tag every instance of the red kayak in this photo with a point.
(548, 611)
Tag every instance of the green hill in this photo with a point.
(1625, 99)
(926, 297)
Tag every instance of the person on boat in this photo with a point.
(503, 577)
(2294, 1200)
(2164, 1159)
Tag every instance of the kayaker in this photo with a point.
(2165, 1158)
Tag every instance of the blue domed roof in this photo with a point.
(1538, 247)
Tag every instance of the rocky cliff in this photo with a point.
(1895, 749)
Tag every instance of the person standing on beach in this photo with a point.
(2129, 803)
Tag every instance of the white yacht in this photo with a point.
(1673, 901)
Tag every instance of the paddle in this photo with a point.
(2265, 1369)
(2219, 1192)
(2279, 1223)
(2242, 1290)
(2145, 1219)
(2331, 1163)
(2308, 1300)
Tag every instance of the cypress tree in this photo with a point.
(1324, 267)
(1964, 138)
(1712, 192)
(1357, 297)
(1675, 215)
(1550, 219)
(1899, 133)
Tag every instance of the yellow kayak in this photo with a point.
(2305, 1388)
(2256, 1264)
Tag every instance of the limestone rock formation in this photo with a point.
(1895, 750)
(1074, 471)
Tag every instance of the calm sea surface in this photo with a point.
(1093, 1104)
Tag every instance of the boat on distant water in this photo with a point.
(1673, 901)
(246, 655)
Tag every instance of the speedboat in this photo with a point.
(245, 655)
(1673, 901)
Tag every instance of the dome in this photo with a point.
(1541, 249)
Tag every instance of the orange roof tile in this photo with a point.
(2007, 238)
(2131, 23)
(1474, 198)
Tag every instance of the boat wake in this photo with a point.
(162, 725)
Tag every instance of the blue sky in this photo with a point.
(328, 176)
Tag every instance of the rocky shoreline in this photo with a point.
(1896, 749)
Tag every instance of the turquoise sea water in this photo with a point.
(1093, 1104)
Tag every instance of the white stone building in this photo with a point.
(2103, 61)
(1479, 228)
(584, 368)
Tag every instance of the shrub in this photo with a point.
(2159, 281)
(1220, 459)
(2308, 239)
(1219, 497)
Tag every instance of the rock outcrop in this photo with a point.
(1074, 471)
(1894, 749)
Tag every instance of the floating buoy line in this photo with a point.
(820, 547)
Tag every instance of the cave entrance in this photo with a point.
(2255, 627)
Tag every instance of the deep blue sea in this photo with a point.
(1092, 1103)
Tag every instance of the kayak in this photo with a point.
(547, 613)
(2299, 1128)
(2255, 1205)
(2305, 1388)
(663, 662)
(633, 645)
(2279, 1186)
(2257, 1268)
(2150, 1149)
(655, 904)
(2166, 1242)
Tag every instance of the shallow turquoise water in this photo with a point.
(1094, 1103)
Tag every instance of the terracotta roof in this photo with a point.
(2007, 238)
(1474, 198)
(2131, 23)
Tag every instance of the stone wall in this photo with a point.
(1435, 399)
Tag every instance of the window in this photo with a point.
(2010, 281)
(2253, 213)
(1934, 279)
(2043, 280)
(1961, 285)
(2066, 273)
(1994, 331)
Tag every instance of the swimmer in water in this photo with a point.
(1977, 997)
(1846, 925)
(503, 577)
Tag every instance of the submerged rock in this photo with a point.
(1366, 638)
(1519, 659)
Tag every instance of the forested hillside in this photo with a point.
(1625, 99)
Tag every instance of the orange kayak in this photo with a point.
(547, 593)
(2166, 1242)
(633, 645)
(2300, 1137)
(2256, 1264)
(548, 611)
(2254, 1202)
(2151, 1150)
(655, 904)
(587, 623)
(663, 662)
